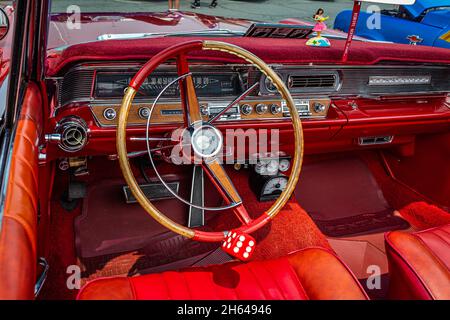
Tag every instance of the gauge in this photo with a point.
(261, 167)
(269, 84)
(272, 167)
(284, 165)
(274, 187)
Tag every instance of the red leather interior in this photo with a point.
(307, 274)
(419, 264)
(19, 223)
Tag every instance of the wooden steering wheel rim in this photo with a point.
(128, 98)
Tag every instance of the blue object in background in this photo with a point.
(429, 20)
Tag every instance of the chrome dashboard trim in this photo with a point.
(343, 90)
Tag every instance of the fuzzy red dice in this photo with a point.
(239, 245)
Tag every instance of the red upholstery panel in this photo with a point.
(18, 232)
(286, 51)
(286, 278)
(419, 264)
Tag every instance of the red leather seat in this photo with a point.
(18, 226)
(308, 274)
(419, 264)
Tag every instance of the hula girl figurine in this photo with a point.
(320, 26)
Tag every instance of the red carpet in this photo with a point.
(292, 229)
(343, 198)
(417, 210)
(62, 254)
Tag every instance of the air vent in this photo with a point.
(367, 141)
(76, 86)
(73, 134)
(312, 81)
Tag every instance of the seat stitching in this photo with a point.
(186, 282)
(23, 187)
(236, 293)
(441, 237)
(26, 162)
(217, 292)
(257, 280)
(162, 275)
(445, 231)
(133, 289)
(435, 256)
(274, 280)
(27, 228)
(299, 280)
(397, 252)
(27, 139)
(208, 273)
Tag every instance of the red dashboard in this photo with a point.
(371, 102)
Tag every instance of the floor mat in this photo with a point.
(343, 198)
(165, 252)
(108, 225)
(419, 211)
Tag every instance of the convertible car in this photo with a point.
(426, 22)
(180, 155)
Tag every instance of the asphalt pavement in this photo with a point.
(262, 10)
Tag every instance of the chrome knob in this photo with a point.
(246, 109)
(275, 108)
(261, 108)
(204, 110)
(109, 114)
(144, 112)
(318, 107)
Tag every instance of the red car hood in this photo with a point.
(96, 24)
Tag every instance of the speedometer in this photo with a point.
(274, 187)
(112, 85)
(269, 84)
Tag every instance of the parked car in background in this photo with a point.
(426, 22)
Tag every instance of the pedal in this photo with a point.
(70, 197)
(78, 166)
(77, 190)
(153, 191)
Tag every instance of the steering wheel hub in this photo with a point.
(206, 141)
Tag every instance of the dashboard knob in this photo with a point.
(318, 107)
(261, 108)
(275, 108)
(246, 109)
(109, 114)
(144, 112)
(204, 110)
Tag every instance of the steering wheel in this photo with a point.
(198, 130)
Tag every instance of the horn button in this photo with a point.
(206, 141)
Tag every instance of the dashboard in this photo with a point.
(340, 106)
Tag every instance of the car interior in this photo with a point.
(330, 179)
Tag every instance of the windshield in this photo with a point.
(82, 21)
